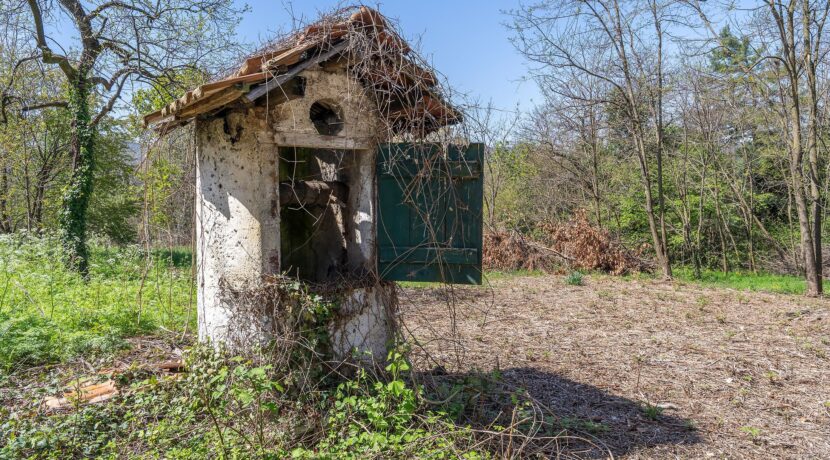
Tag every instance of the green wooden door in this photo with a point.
(429, 212)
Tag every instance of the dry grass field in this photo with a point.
(643, 368)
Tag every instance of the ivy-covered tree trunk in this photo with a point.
(5, 220)
(76, 197)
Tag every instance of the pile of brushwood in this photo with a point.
(573, 245)
(511, 251)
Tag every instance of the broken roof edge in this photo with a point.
(324, 40)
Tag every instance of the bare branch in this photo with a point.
(48, 56)
(111, 102)
(44, 105)
(118, 4)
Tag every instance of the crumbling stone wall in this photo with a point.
(365, 321)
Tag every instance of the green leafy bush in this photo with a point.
(27, 340)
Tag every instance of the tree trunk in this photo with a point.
(749, 213)
(595, 168)
(811, 272)
(721, 225)
(595, 189)
(794, 67)
(658, 109)
(812, 147)
(76, 198)
(659, 244)
(40, 194)
(5, 220)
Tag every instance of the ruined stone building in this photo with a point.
(313, 164)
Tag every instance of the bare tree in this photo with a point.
(620, 44)
(495, 128)
(568, 133)
(793, 32)
(789, 39)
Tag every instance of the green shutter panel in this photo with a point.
(429, 212)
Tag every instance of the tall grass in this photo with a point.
(48, 313)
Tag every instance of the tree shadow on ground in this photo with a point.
(590, 422)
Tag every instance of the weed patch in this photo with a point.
(575, 279)
(236, 407)
(49, 314)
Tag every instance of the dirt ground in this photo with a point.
(727, 374)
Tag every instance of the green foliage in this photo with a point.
(235, 407)
(167, 169)
(507, 189)
(166, 88)
(160, 180)
(784, 284)
(498, 275)
(651, 411)
(753, 432)
(39, 161)
(733, 54)
(49, 313)
(574, 279)
(27, 340)
(114, 203)
(223, 406)
(89, 432)
(372, 418)
(583, 425)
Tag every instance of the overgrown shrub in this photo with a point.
(510, 251)
(576, 244)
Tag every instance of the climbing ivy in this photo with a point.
(76, 195)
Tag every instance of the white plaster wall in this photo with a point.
(237, 221)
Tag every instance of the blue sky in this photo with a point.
(465, 40)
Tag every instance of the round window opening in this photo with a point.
(327, 117)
